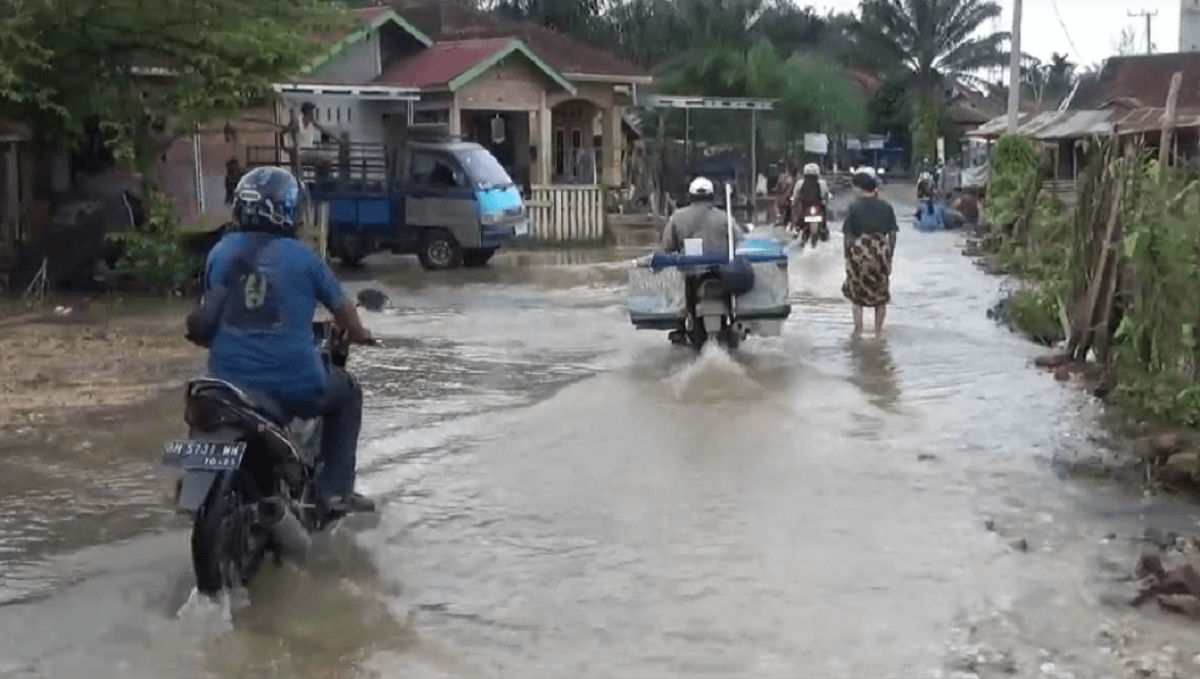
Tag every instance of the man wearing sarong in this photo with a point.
(870, 241)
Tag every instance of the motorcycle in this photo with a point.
(816, 228)
(248, 473)
(700, 299)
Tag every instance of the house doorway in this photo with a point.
(506, 135)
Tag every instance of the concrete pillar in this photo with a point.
(613, 141)
(455, 119)
(545, 146)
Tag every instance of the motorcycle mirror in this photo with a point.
(373, 300)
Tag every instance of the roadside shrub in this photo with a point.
(154, 256)
(1015, 164)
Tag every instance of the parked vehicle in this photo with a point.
(449, 202)
(248, 473)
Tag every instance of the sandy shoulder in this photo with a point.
(49, 364)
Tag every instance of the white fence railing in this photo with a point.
(567, 212)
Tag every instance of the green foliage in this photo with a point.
(925, 41)
(65, 62)
(1035, 312)
(814, 92)
(1159, 331)
(1015, 164)
(153, 254)
(927, 126)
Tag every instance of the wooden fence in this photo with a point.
(567, 213)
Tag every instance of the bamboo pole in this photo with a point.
(1168, 122)
(1100, 281)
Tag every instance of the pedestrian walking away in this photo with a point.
(869, 242)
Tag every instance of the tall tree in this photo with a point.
(924, 44)
(926, 41)
(223, 54)
(580, 18)
(1125, 43)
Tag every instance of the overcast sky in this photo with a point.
(1092, 25)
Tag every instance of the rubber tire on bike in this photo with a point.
(210, 541)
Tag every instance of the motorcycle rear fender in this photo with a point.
(195, 489)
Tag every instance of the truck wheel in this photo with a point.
(440, 250)
(477, 257)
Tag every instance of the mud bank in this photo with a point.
(56, 365)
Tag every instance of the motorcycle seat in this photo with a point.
(257, 401)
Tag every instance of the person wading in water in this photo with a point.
(870, 241)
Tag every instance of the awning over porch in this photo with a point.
(368, 92)
(1052, 125)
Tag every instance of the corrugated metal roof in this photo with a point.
(1051, 125)
(1146, 79)
(1150, 120)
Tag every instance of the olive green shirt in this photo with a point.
(869, 215)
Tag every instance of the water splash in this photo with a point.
(206, 617)
(714, 376)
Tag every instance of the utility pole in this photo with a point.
(1014, 70)
(1148, 16)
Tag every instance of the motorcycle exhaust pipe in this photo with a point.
(289, 534)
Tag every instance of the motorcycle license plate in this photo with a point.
(204, 455)
(812, 218)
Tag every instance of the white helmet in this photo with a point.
(701, 186)
(812, 168)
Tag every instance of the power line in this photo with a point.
(1067, 33)
(1148, 16)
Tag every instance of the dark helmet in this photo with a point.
(268, 199)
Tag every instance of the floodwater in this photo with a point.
(565, 497)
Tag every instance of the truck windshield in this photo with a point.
(483, 169)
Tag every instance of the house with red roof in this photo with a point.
(549, 107)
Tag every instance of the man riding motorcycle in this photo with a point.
(700, 219)
(812, 190)
(264, 341)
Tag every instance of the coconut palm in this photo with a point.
(928, 41)
(924, 44)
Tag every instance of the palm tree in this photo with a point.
(925, 43)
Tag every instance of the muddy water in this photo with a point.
(564, 496)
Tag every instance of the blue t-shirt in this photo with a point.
(265, 341)
(931, 215)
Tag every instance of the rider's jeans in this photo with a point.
(341, 409)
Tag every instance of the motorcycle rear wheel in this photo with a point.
(225, 555)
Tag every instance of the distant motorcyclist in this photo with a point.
(700, 219)
(810, 191)
(925, 185)
(812, 188)
(265, 339)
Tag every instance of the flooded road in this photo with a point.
(565, 497)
